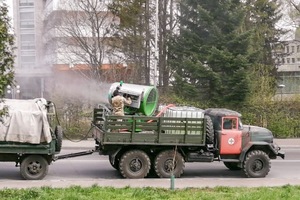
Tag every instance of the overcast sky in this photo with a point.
(10, 4)
(285, 21)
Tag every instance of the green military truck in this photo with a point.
(29, 136)
(139, 145)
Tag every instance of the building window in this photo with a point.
(288, 60)
(298, 60)
(28, 53)
(28, 59)
(26, 24)
(27, 38)
(26, 9)
(27, 46)
(283, 60)
(293, 49)
(298, 48)
(293, 60)
(26, 16)
(27, 65)
(287, 49)
(26, 2)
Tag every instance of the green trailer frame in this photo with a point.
(25, 148)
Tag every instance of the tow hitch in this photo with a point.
(71, 155)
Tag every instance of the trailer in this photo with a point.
(30, 136)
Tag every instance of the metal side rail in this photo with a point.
(71, 155)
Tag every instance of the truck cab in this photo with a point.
(236, 143)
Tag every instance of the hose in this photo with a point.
(64, 135)
(162, 111)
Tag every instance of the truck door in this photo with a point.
(231, 136)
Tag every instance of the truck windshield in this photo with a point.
(240, 124)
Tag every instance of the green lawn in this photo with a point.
(96, 192)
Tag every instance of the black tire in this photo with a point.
(34, 167)
(114, 163)
(233, 166)
(209, 131)
(257, 164)
(59, 137)
(134, 164)
(164, 164)
(152, 173)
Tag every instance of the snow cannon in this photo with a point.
(144, 98)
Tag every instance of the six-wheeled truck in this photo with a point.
(29, 136)
(137, 145)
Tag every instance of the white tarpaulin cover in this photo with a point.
(26, 121)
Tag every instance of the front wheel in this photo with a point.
(257, 164)
(34, 167)
(134, 164)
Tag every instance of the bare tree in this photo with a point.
(83, 35)
(167, 25)
(291, 17)
(137, 36)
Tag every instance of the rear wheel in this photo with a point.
(233, 166)
(34, 167)
(166, 164)
(134, 164)
(257, 164)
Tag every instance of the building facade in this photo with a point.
(289, 69)
(42, 56)
(31, 73)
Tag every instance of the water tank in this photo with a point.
(144, 98)
(185, 112)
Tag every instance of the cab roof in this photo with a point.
(221, 112)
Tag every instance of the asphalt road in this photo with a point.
(95, 169)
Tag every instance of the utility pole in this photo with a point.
(155, 44)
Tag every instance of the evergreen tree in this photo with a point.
(210, 53)
(6, 51)
(262, 17)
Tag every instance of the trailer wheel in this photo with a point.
(114, 163)
(59, 137)
(34, 167)
(134, 164)
(257, 164)
(164, 164)
(210, 135)
(233, 166)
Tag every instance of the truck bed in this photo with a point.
(27, 148)
(148, 130)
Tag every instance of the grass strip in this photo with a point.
(148, 193)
